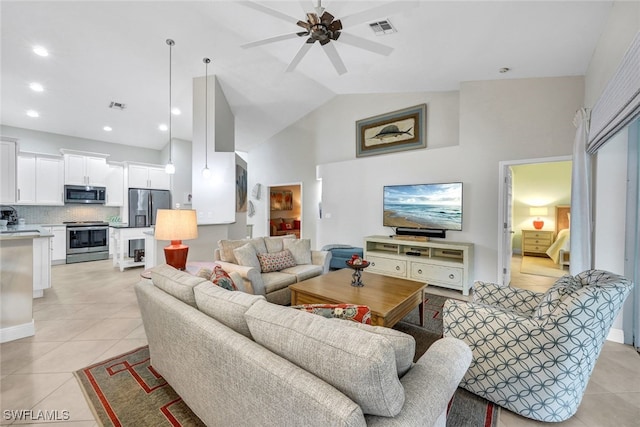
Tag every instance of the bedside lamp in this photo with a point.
(538, 212)
(176, 225)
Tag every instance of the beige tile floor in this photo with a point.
(91, 314)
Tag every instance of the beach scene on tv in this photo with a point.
(434, 206)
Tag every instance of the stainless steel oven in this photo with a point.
(87, 241)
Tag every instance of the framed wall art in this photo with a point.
(392, 132)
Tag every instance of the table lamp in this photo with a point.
(538, 212)
(176, 225)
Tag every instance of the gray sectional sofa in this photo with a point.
(274, 285)
(236, 359)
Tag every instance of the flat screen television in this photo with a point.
(423, 206)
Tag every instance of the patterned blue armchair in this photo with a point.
(533, 353)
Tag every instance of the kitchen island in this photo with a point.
(25, 271)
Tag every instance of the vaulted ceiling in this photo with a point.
(115, 51)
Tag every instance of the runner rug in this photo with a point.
(126, 391)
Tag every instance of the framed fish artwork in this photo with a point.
(400, 130)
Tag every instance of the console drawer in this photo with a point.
(430, 273)
(389, 266)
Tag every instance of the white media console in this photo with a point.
(437, 263)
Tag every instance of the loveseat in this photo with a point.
(236, 359)
(266, 268)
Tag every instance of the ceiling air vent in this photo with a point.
(118, 105)
(382, 28)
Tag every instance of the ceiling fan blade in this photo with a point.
(365, 44)
(301, 53)
(271, 40)
(335, 25)
(304, 25)
(334, 57)
(377, 12)
(313, 18)
(326, 18)
(269, 11)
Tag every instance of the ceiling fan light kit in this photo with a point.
(322, 27)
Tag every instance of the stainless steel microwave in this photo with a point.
(84, 194)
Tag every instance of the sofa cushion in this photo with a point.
(353, 312)
(227, 246)
(404, 345)
(226, 307)
(176, 283)
(304, 272)
(276, 261)
(274, 243)
(277, 280)
(359, 364)
(300, 249)
(246, 256)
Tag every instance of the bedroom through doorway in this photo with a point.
(534, 238)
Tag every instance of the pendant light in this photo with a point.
(206, 172)
(170, 168)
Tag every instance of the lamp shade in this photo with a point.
(176, 224)
(538, 211)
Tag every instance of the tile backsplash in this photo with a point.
(60, 214)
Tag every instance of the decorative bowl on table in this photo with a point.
(357, 264)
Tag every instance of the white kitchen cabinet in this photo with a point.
(58, 245)
(7, 172)
(40, 179)
(85, 168)
(115, 185)
(148, 176)
(41, 265)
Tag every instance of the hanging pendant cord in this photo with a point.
(170, 43)
(206, 111)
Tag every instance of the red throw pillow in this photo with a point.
(353, 312)
(283, 226)
(296, 224)
(222, 279)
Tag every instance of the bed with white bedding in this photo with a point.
(559, 250)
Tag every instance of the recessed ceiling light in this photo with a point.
(108, 128)
(163, 127)
(36, 87)
(176, 111)
(40, 51)
(33, 113)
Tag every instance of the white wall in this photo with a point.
(468, 135)
(51, 143)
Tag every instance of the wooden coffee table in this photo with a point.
(389, 298)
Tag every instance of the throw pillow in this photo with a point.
(222, 279)
(205, 273)
(276, 261)
(353, 312)
(300, 249)
(555, 295)
(274, 244)
(246, 256)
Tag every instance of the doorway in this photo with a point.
(531, 190)
(285, 210)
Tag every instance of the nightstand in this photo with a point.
(536, 242)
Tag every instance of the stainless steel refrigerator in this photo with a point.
(143, 206)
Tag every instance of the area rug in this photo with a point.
(541, 267)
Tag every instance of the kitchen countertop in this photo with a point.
(32, 231)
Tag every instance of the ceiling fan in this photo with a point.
(322, 27)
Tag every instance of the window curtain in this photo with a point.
(619, 103)
(580, 243)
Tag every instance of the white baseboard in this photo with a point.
(616, 335)
(12, 333)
